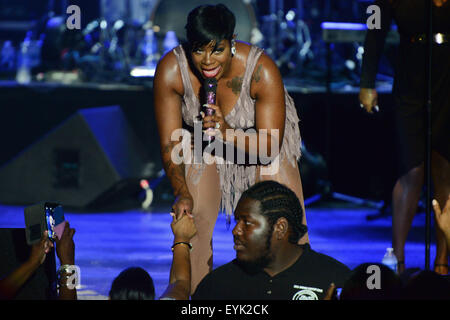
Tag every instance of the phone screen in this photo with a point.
(50, 223)
(54, 215)
(338, 293)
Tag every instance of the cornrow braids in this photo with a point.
(277, 201)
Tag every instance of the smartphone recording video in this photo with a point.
(41, 217)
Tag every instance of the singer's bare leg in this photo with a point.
(405, 198)
(206, 195)
(440, 171)
(289, 175)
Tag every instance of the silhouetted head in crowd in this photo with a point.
(268, 221)
(427, 285)
(132, 284)
(372, 281)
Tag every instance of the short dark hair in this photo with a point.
(278, 201)
(132, 284)
(209, 22)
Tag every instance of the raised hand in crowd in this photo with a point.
(184, 230)
(368, 99)
(65, 250)
(10, 285)
(443, 218)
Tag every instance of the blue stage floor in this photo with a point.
(107, 243)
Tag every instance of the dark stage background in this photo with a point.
(361, 152)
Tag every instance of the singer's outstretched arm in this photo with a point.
(268, 91)
(168, 90)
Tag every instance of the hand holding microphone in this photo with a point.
(207, 113)
(211, 114)
(368, 99)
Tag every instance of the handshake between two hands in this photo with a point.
(183, 226)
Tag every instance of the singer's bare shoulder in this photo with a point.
(266, 77)
(168, 74)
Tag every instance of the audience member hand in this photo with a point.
(216, 121)
(39, 250)
(183, 227)
(65, 247)
(330, 292)
(443, 217)
(368, 99)
(183, 204)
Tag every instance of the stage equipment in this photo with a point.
(353, 34)
(342, 33)
(171, 15)
(287, 37)
(136, 11)
(429, 105)
(114, 48)
(313, 171)
(90, 160)
(348, 32)
(292, 34)
(19, 16)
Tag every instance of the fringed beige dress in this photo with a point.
(218, 187)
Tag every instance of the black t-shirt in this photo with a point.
(307, 279)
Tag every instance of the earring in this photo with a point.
(233, 47)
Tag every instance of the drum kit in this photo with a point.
(118, 41)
